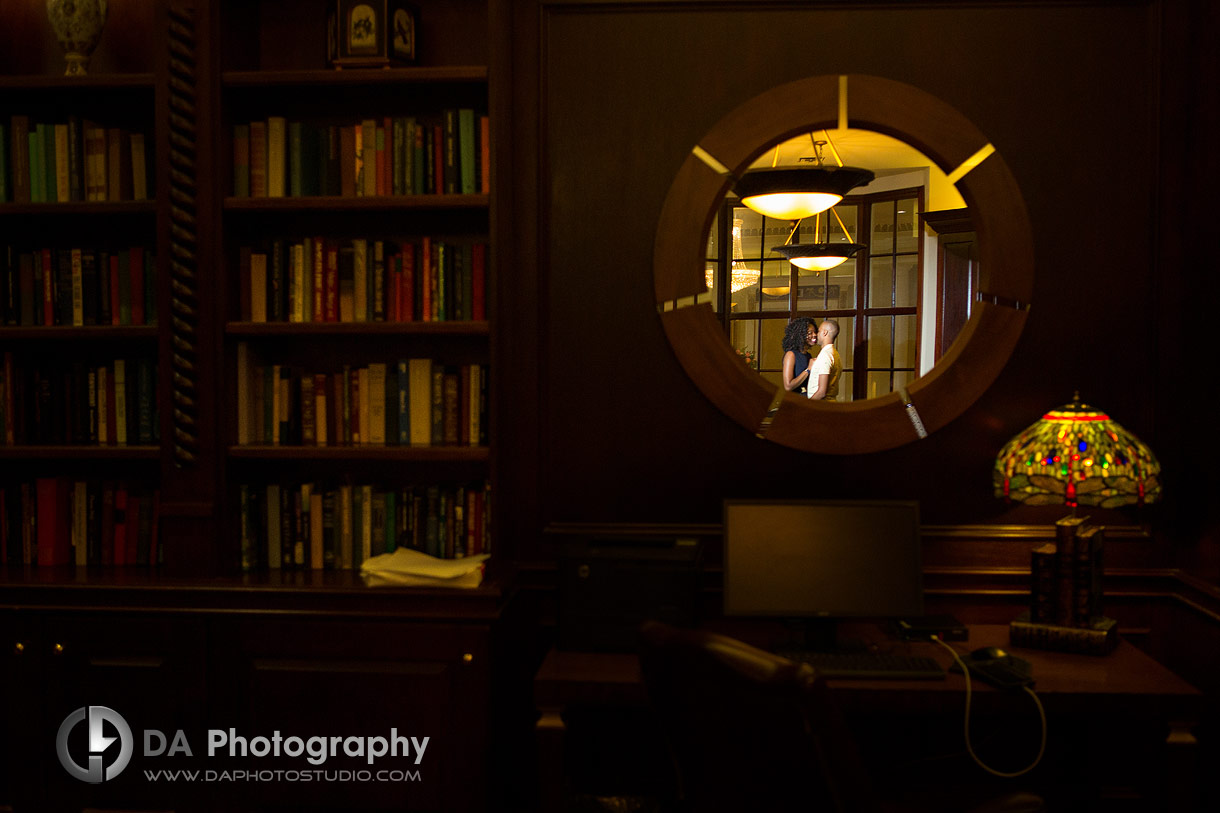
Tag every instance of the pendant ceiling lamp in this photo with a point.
(792, 193)
(819, 256)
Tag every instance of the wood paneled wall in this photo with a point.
(1084, 100)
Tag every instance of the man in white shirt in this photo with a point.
(825, 369)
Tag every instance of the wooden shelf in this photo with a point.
(122, 207)
(422, 454)
(454, 328)
(356, 203)
(76, 333)
(67, 452)
(389, 76)
(111, 81)
(341, 592)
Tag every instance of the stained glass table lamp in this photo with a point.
(1077, 455)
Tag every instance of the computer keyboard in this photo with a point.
(871, 665)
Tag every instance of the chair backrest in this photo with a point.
(748, 730)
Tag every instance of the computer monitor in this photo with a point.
(822, 561)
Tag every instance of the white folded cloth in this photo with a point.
(411, 568)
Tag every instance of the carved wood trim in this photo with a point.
(183, 236)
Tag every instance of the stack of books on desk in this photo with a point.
(1066, 594)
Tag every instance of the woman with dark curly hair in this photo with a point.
(799, 338)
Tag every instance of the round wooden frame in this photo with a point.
(966, 369)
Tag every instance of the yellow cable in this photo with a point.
(970, 747)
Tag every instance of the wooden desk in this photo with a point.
(1086, 698)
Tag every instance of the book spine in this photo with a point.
(124, 287)
(276, 283)
(448, 157)
(1043, 583)
(258, 286)
(1087, 575)
(77, 284)
(114, 150)
(485, 155)
(139, 167)
(295, 159)
(274, 540)
(1096, 640)
(95, 162)
(331, 280)
(19, 131)
(241, 160)
(76, 159)
(318, 309)
(360, 281)
(258, 159)
(63, 173)
(137, 294)
(384, 157)
(467, 151)
(317, 540)
(377, 283)
(298, 286)
(38, 164)
(277, 156)
(376, 399)
(398, 146)
(368, 161)
(1065, 545)
(347, 161)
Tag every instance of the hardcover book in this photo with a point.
(1098, 638)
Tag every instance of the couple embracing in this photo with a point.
(817, 376)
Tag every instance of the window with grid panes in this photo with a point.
(874, 296)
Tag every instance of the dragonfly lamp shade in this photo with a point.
(1077, 455)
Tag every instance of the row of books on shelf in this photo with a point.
(76, 160)
(75, 286)
(49, 521)
(411, 402)
(317, 526)
(60, 402)
(392, 155)
(359, 280)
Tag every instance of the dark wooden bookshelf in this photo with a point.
(78, 333)
(450, 328)
(100, 82)
(119, 207)
(340, 592)
(184, 74)
(431, 74)
(377, 203)
(79, 452)
(423, 454)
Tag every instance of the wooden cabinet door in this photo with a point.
(147, 670)
(355, 681)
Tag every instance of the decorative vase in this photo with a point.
(78, 26)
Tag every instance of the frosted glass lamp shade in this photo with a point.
(793, 193)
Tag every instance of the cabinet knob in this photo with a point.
(18, 647)
(467, 658)
(58, 649)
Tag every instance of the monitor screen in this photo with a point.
(822, 558)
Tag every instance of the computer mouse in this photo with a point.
(996, 666)
(988, 653)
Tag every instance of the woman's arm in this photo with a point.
(792, 381)
(820, 392)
